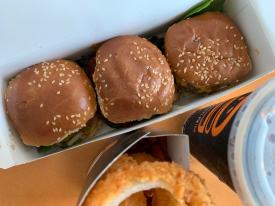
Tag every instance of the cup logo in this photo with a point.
(217, 118)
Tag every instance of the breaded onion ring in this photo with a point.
(123, 162)
(122, 183)
(164, 198)
(137, 199)
(143, 157)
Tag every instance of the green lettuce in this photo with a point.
(204, 6)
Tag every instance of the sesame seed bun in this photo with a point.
(133, 80)
(207, 52)
(49, 101)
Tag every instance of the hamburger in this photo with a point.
(49, 102)
(133, 80)
(207, 53)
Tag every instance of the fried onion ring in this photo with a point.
(122, 183)
(164, 198)
(137, 199)
(125, 160)
(143, 157)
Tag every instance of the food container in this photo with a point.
(177, 148)
(236, 139)
(72, 27)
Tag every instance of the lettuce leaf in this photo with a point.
(204, 6)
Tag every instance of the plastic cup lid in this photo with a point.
(252, 148)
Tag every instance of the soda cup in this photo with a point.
(236, 140)
(209, 130)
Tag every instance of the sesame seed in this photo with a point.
(131, 52)
(235, 35)
(112, 103)
(67, 118)
(110, 55)
(48, 122)
(41, 105)
(29, 83)
(231, 27)
(58, 92)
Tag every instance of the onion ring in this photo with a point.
(164, 198)
(143, 157)
(137, 199)
(126, 181)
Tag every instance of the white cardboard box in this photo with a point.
(34, 31)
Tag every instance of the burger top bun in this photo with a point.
(133, 80)
(49, 101)
(207, 52)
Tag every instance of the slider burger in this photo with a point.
(133, 80)
(207, 53)
(50, 101)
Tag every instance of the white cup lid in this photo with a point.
(252, 148)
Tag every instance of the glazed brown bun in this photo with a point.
(133, 80)
(49, 101)
(207, 52)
